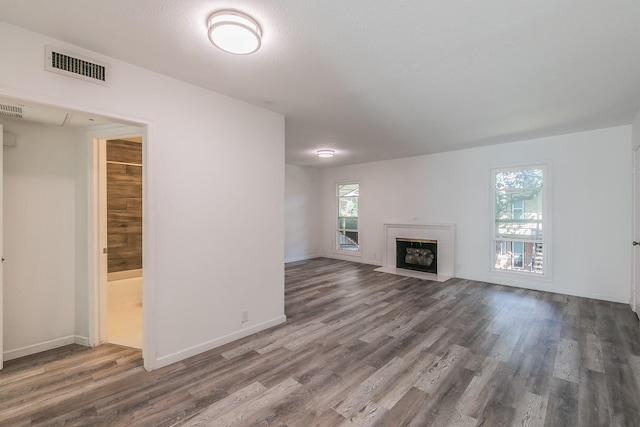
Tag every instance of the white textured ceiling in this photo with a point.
(381, 79)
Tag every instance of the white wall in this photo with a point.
(591, 204)
(201, 207)
(636, 132)
(39, 238)
(302, 213)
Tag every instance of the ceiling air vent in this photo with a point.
(11, 111)
(72, 65)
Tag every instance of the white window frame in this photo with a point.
(336, 229)
(546, 228)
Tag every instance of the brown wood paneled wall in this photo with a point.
(124, 205)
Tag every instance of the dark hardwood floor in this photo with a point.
(362, 348)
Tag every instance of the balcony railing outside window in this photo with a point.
(347, 238)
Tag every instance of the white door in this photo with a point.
(635, 304)
(1, 255)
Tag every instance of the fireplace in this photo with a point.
(441, 238)
(417, 254)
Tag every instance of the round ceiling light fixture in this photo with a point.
(325, 153)
(234, 32)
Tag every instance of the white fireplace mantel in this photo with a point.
(443, 233)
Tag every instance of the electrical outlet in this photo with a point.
(244, 317)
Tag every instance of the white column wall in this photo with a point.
(302, 213)
(214, 185)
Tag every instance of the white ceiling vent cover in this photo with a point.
(72, 65)
(13, 111)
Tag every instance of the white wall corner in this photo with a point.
(359, 259)
(302, 258)
(81, 340)
(38, 347)
(163, 361)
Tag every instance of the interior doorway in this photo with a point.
(69, 306)
(121, 236)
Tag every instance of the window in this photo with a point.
(347, 235)
(519, 223)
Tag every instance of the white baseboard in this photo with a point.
(353, 259)
(300, 258)
(335, 256)
(210, 345)
(39, 347)
(80, 340)
(544, 287)
(541, 287)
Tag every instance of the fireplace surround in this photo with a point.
(441, 234)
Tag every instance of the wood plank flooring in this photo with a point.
(362, 348)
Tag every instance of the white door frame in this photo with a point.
(635, 260)
(98, 199)
(143, 126)
(101, 251)
(1, 253)
(96, 244)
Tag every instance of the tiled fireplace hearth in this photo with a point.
(433, 241)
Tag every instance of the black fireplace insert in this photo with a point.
(417, 254)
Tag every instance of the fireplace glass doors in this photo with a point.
(417, 254)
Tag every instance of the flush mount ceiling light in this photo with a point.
(325, 153)
(234, 32)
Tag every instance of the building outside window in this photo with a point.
(519, 224)
(347, 238)
(517, 255)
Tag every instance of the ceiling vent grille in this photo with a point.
(11, 111)
(69, 64)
